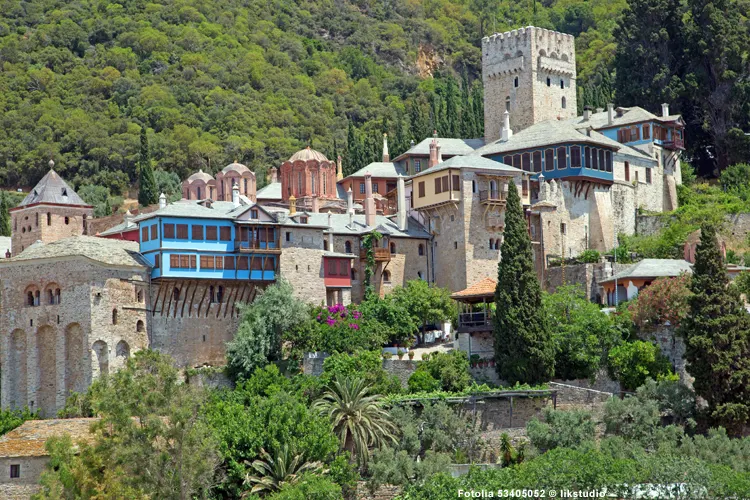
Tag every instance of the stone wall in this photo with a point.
(673, 347)
(401, 368)
(312, 364)
(30, 224)
(586, 275)
(301, 262)
(649, 225)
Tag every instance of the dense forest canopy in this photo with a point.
(255, 80)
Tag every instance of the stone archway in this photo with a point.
(75, 349)
(46, 400)
(17, 369)
(99, 359)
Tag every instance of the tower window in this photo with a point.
(67, 220)
(515, 82)
(564, 104)
(562, 84)
(114, 316)
(549, 82)
(507, 104)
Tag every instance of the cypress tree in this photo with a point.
(523, 345)
(420, 125)
(717, 337)
(451, 109)
(468, 128)
(4, 215)
(477, 102)
(147, 191)
(353, 151)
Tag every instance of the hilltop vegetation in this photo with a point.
(252, 81)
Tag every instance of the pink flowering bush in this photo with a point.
(346, 329)
(665, 300)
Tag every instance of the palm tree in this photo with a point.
(358, 419)
(273, 473)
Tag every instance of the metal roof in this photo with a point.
(269, 192)
(471, 161)
(448, 146)
(653, 268)
(340, 224)
(52, 189)
(379, 169)
(107, 251)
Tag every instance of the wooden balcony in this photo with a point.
(381, 254)
(677, 143)
(262, 239)
(492, 197)
(472, 322)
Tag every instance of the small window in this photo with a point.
(419, 274)
(197, 232)
(154, 232)
(211, 233)
(386, 276)
(139, 326)
(646, 131)
(182, 231)
(438, 186)
(144, 234)
(393, 248)
(30, 299)
(211, 297)
(49, 219)
(515, 82)
(253, 212)
(473, 186)
(562, 160)
(456, 183)
(348, 246)
(648, 175)
(455, 245)
(325, 244)
(563, 228)
(225, 233)
(139, 295)
(156, 261)
(420, 249)
(375, 187)
(220, 294)
(564, 103)
(421, 189)
(354, 274)
(15, 471)
(549, 159)
(549, 82)
(562, 85)
(361, 188)
(575, 156)
(636, 176)
(288, 236)
(176, 294)
(67, 220)
(303, 219)
(507, 104)
(168, 231)
(114, 316)
(492, 244)
(417, 166)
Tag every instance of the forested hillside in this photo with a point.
(252, 80)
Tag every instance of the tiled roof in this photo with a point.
(200, 175)
(653, 268)
(104, 250)
(235, 167)
(380, 169)
(340, 224)
(29, 438)
(483, 288)
(193, 208)
(448, 146)
(308, 154)
(472, 161)
(269, 192)
(547, 134)
(52, 189)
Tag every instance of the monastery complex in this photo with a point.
(74, 305)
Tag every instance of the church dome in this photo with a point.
(200, 175)
(236, 167)
(308, 154)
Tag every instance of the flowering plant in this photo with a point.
(345, 329)
(665, 300)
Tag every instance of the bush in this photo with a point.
(632, 418)
(589, 256)
(422, 381)
(366, 365)
(664, 300)
(10, 419)
(451, 369)
(310, 487)
(561, 429)
(632, 363)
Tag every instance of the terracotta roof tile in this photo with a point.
(485, 287)
(28, 439)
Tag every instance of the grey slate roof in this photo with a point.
(269, 192)
(653, 268)
(380, 169)
(601, 120)
(193, 208)
(472, 161)
(107, 251)
(546, 134)
(119, 228)
(340, 225)
(52, 189)
(448, 146)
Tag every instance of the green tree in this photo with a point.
(169, 184)
(4, 215)
(310, 487)
(147, 191)
(425, 303)
(632, 363)
(272, 473)
(358, 419)
(450, 369)
(365, 365)
(561, 429)
(524, 351)
(717, 335)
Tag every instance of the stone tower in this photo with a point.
(50, 212)
(530, 72)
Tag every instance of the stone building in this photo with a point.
(70, 310)
(308, 176)
(52, 210)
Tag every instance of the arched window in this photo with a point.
(419, 274)
(210, 294)
(220, 294)
(515, 82)
(420, 249)
(493, 189)
(562, 85)
(49, 219)
(199, 192)
(312, 184)
(325, 244)
(37, 298)
(386, 276)
(67, 220)
(139, 295)
(348, 246)
(245, 187)
(563, 102)
(122, 349)
(50, 296)
(393, 248)
(473, 186)
(492, 244)
(114, 316)
(354, 274)
(139, 326)
(57, 295)
(30, 299)
(176, 294)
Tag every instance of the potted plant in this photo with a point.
(400, 354)
(387, 355)
(411, 354)
(474, 360)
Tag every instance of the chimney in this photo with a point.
(349, 200)
(664, 109)
(386, 156)
(162, 200)
(401, 193)
(339, 169)
(292, 205)
(433, 151)
(507, 133)
(369, 201)
(274, 175)
(128, 218)
(411, 144)
(439, 154)
(330, 232)
(235, 195)
(610, 109)
(315, 207)
(586, 113)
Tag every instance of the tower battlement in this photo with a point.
(531, 73)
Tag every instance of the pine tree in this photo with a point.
(477, 102)
(717, 337)
(107, 207)
(4, 215)
(523, 346)
(147, 191)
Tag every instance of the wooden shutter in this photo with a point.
(155, 231)
(225, 233)
(446, 184)
(144, 234)
(211, 233)
(437, 186)
(182, 231)
(219, 262)
(156, 261)
(421, 189)
(185, 261)
(456, 183)
(242, 263)
(229, 262)
(197, 232)
(192, 262)
(169, 230)
(344, 267)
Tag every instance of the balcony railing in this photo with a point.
(677, 143)
(256, 246)
(492, 196)
(479, 321)
(381, 254)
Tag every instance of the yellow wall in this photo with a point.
(430, 196)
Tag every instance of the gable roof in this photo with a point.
(104, 250)
(52, 189)
(448, 147)
(653, 268)
(340, 224)
(547, 134)
(270, 191)
(471, 161)
(379, 169)
(29, 438)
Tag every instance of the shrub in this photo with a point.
(589, 256)
(561, 429)
(451, 369)
(665, 300)
(633, 362)
(366, 365)
(310, 487)
(422, 381)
